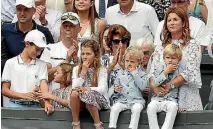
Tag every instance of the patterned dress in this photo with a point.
(63, 93)
(93, 97)
(160, 6)
(189, 70)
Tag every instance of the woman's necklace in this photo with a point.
(82, 24)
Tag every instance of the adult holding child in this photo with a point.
(176, 30)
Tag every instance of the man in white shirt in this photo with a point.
(56, 53)
(197, 27)
(24, 74)
(107, 3)
(140, 19)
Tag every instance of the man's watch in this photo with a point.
(44, 24)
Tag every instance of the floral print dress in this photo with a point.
(92, 97)
(189, 69)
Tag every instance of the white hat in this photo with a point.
(26, 3)
(36, 37)
(70, 17)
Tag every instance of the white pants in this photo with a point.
(118, 107)
(169, 107)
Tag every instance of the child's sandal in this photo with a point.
(99, 124)
(75, 124)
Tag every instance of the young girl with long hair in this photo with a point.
(89, 86)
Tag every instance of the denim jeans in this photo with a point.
(12, 104)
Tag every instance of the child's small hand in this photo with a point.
(85, 68)
(170, 68)
(118, 88)
(45, 95)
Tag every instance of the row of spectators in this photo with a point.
(88, 64)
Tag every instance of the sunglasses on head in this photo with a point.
(117, 41)
(68, 16)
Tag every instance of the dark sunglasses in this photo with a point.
(117, 41)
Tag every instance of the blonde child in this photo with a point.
(167, 102)
(128, 86)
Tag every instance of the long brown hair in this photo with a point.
(121, 31)
(166, 37)
(92, 15)
(96, 49)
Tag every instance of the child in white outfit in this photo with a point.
(169, 102)
(128, 86)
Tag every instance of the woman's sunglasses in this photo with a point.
(117, 41)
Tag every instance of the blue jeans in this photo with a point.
(12, 104)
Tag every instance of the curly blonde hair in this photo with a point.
(166, 37)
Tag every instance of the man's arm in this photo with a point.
(4, 53)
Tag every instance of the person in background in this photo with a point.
(23, 90)
(130, 14)
(92, 26)
(89, 86)
(197, 27)
(198, 9)
(106, 49)
(160, 6)
(46, 17)
(58, 52)
(8, 11)
(147, 47)
(128, 87)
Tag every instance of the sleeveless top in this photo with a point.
(87, 34)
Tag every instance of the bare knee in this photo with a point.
(90, 107)
(74, 95)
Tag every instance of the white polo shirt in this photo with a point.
(24, 77)
(197, 31)
(141, 21)
(54, 54)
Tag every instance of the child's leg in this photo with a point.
(152, 110)
(135, 116)
(171, 112)
(115, 110)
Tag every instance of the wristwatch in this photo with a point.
(44, 24)
(172, 85)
